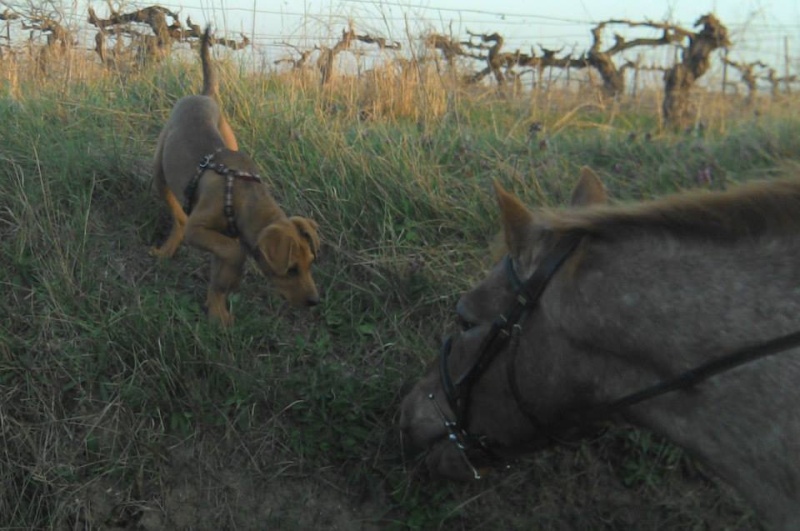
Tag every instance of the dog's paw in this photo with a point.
(218, 314)
(160, 252)
(224, 320)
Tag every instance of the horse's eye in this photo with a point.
(463, 323)
(293, 271)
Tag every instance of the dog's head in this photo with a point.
(287, 249)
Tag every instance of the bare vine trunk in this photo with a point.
(613, 78)
(696, 60)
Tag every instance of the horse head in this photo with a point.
(464, 411)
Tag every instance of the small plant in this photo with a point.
(646, 459)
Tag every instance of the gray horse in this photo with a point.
(681, 316)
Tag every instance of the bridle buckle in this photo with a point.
(456, 436)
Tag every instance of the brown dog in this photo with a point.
(219, 204)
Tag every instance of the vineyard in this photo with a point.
(123, 408)
(129, 40)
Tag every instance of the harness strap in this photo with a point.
(227, 208)
(191, 188)
(230, 175)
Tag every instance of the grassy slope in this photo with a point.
(121, 406)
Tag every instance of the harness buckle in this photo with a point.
(206, 161)
(502, 323)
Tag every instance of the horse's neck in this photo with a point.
(645, 310)
(681, 303)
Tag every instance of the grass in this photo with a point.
(122, 407)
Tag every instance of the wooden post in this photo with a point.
(786, 64)
(253, 32)
(539, 77)
(724, 70)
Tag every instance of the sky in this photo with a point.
(758, 26)
(760, 29)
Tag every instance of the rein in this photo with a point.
(698, 374)
(506, 329)
(230, 175)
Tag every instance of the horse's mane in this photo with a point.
(747, 211)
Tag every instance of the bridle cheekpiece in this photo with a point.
(504, 329)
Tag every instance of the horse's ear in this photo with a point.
(589, 190)
(518, 221)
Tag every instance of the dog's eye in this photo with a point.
(293, 271)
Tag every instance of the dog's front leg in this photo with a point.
(227, 265)
(225, 278)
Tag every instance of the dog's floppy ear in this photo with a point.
(308, 230)
(276, 244)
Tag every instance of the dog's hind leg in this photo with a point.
(175, 237)
(178, 229)
(225, 276)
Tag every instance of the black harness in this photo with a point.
(505, 330)
(230, 175)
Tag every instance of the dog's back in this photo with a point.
(196, 128)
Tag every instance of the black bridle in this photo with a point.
(505, 329)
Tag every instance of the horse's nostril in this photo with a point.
(313, 301)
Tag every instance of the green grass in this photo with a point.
(117, 396)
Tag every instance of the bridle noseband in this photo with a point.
(506, 328)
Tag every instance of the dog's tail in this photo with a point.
(210, 82)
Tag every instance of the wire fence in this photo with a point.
(278, 34)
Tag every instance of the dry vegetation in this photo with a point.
(121, 408)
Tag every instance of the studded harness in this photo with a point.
(230, 175)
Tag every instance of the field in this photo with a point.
(122, 408)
